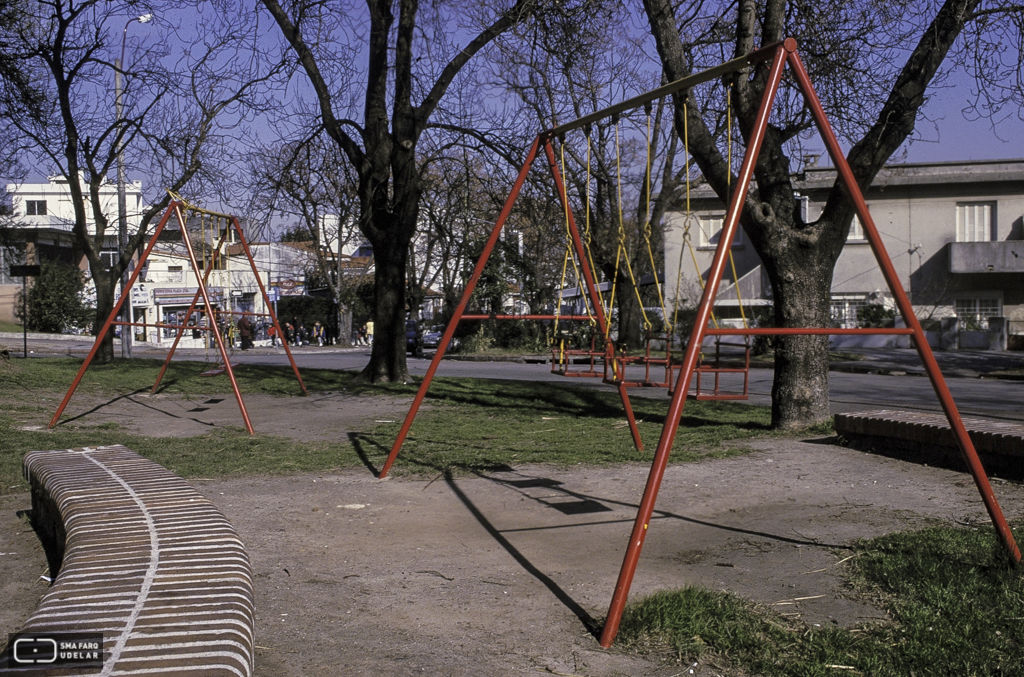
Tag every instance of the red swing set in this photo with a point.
(226, 225)
(779, 55)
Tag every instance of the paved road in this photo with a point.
(989, 398)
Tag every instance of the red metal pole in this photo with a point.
(595, 300)
(460, 309)
(113, 314)
(967, 449)
(213, 325)
(266, 300)
(668, 433)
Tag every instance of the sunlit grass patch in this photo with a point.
(957, 608)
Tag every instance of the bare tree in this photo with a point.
(622, 166)
(873, 64)
(411, 64)
(311, 183)
(184, 80)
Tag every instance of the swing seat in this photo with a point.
(218, 370)
(562, 360)
(615, 366)
(716, 369)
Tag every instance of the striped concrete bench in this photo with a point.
(138, 555)
(927, 437)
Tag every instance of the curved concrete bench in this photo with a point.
(138, 555)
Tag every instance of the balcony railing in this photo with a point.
(987, 257)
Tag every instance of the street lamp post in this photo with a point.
(122, 200)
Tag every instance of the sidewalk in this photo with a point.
(953, 363)
(898, 361)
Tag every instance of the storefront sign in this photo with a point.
(182, 296)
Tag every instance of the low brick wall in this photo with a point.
(927, 437)
(140, 556)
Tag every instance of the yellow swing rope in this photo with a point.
(565, 261)
(647, 228)
(586, 232)
(728, 183)
(568, 244)
(689, 214)
(622, 241)
(686, 222)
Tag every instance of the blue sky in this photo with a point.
(950, 136)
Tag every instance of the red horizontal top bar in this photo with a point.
(529, 317)
(810, 331)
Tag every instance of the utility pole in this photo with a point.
(122, 200)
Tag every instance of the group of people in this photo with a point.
(296, 334)
(363, 334)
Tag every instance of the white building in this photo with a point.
(43, 217)
(168, 284)
(953, 231)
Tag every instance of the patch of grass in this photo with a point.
(121, 376)
(955, 602)
(6, 326)
(478, 424)
(470, 424)
(223, 452)
(1016, 373)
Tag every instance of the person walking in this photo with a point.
(245, 332)
(318, 333)
(369, 332)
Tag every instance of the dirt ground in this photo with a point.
(503, 573)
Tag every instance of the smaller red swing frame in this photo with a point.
(175, 209)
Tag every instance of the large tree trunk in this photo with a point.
(631, 329)
(801, 283)
(387, 357)
(104, 304)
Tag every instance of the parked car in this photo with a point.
(432, 337)
(413, 338)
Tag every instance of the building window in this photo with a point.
(844, 309)
(974, 221)
(35, 207)
(856, 230)
(364, 251)
(109, 258)
(973, 313)
(711, 231)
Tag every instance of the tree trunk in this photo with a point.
(387, 357)
(631, 329)
(104, 304)
(801, 284)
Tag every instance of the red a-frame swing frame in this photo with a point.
(175, 209)
(779, 54)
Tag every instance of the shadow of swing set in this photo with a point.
(219, 226)
(779, 55)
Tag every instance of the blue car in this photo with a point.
(413, 338)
